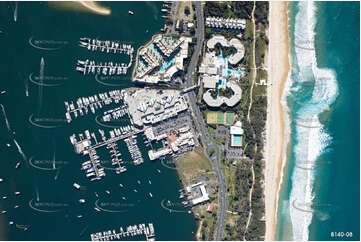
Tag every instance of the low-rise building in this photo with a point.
(197, 193)
(153, 155)
(236, 133)
(229, 23)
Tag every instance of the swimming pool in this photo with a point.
(166, 65)
(226, 72)
(237, 139)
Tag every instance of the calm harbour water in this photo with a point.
(53, 189)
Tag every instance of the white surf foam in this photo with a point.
(310, 142)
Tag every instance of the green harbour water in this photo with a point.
(54, 189)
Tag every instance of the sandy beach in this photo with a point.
(83, 6)
(95, 7)
(278, 68)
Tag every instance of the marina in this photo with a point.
(143, 230)
(88, 143)
(114, 114)
(106, 46)
(134, 150)
(94, 102)
(99, 68)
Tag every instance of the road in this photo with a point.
(197, 50)
(208, 142)
(173, 16)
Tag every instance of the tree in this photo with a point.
(212, 151)
(187, 10)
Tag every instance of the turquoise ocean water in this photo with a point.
(320, 194)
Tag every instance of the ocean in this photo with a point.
(39, 136)
(320, 194)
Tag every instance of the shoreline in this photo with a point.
(276, 134)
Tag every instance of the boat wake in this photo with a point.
(313, 90)
(20, 151)
(5, 117)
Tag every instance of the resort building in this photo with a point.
(236, 133)
(217, 75)
(230, 23)
(151, 106)
(160, 59)
(236, 43)
(219, 100)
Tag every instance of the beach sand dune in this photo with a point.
(278, 68)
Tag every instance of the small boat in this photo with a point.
(16, 206)
(124, 198)
(17, 165)
(131, 12)
(77, 186)
(96, 194)
(11, 222)
(81, 200)
(158, 170)
(3, 211)
(138, 182)
(8, 145)
(1, 180)
(96, 209)
(135, 190)
(121, 185)
(107, 192)
(4, 197)
(3, 92)
(17, 193)
(23, 227)
(150, 182)
(80, 216)
(150, 194)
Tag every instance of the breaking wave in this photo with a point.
(309, 101)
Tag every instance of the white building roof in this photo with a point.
(236, 129)
(210, 81)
